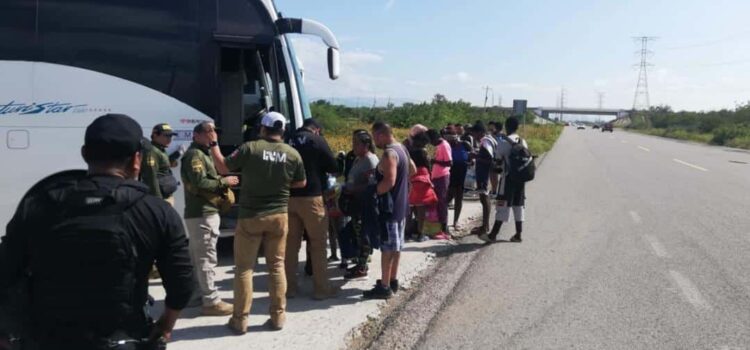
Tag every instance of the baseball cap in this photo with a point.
(273, 120)
(113, 136)
(163, 129)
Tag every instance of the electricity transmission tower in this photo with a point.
(641, 100)
(562, 102)
(600, 97)
(487, 90)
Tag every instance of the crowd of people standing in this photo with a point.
(284, 198)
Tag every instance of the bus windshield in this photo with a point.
(306, 114)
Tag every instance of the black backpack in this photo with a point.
(522, 167)
(83, 266)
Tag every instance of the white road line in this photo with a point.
(689, 290)
(656, 246)
(644, 149)
(636, 218)
(690, 165)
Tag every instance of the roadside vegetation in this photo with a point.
(724, 127)
(339, 121)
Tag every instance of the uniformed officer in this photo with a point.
(270, 168)
(89, 241)
(156, 170)
(201, 216)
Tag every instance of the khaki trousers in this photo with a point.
(204, 234)
(307, 214)
(271, 231)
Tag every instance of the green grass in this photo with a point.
(677, 134)
(541, 138)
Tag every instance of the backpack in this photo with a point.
(83, 266)
(521, 162)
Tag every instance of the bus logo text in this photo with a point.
(37, 108)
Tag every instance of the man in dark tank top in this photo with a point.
(393, 178)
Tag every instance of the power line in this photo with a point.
(641, 100)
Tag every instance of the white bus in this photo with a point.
(63, 63)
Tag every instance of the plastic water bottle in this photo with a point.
(331, 182)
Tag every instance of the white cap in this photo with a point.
(271, 118)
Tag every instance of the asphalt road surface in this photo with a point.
(632, 242)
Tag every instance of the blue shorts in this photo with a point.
(395, 231)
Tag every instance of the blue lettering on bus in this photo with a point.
(38, 108)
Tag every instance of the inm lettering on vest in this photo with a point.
(274, 156)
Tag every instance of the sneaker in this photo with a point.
(356, 272)
(492, 237)
(485, 237)
(422, 238)
(237, 326)
(343, 265)
(221, 308)
(516, 238)
(378, 292)
(333, 258)
(442, 236)
(394, 285)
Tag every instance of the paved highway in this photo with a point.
(632, 242)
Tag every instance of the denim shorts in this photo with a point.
(395, 231)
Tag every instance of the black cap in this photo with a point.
(311, 123)
(113, 136)
(163, 129)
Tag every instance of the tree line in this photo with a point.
(725, 127)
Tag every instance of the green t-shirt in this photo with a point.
(268, 170)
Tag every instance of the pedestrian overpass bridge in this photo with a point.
(545, 112)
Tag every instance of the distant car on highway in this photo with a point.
(595, 126)
(581, 127)
(608, 127)
(567, 124)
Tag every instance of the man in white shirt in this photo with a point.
(511, 194)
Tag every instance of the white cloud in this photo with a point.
(354, 80)
(361, 57)
(460, 77)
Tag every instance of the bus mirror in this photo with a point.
(334, 65)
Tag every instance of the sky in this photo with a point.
(409, 50)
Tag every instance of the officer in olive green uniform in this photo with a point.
(156, 170)
(270, 168)
(201, 217)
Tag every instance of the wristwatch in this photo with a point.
(213, 144)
